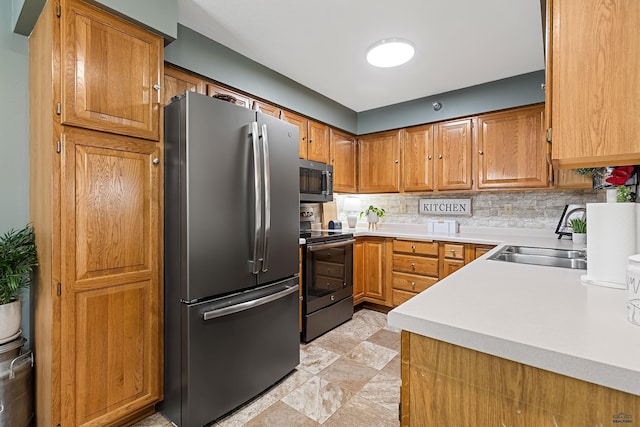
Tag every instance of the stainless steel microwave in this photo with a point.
(316, 181)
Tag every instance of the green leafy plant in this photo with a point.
(578, 225)
(585, 171)
(623, 194)
(18, 257)
(378, 211)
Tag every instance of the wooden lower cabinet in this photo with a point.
(452, 258)
(448, 385)
(369, 270)
(415, 268)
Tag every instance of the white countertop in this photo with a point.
(540, 316)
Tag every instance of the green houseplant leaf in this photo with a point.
(378, 211)
(18, 257)
(578, 225)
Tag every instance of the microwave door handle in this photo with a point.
(326, 176)
(257, 193)
(267, 198)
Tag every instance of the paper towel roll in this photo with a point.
(612, 236)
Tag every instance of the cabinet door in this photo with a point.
(110, 71)
(318, 146)
(378, 167)
(358, 271)
(512, 149)
(267, 109)
(301, 122)
(344, 160)
(417, 159)
(176, 82)
(595, 83)
(228, 94)
(110, 303)
(453, 155)
(374, 269)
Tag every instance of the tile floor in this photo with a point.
(348, 377)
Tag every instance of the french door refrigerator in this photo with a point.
(231, 256)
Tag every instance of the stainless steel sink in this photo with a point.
(542, 256)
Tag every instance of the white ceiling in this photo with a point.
(321, 44)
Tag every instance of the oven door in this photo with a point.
(328, 275)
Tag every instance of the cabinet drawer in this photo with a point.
(398, 297)
(330, 269)
(415, 264)
(453, 251)
(412, 282)
(414, 247)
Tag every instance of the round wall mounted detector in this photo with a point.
(390, 52)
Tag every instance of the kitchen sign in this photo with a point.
(445, 207)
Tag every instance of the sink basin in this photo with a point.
(567, 258)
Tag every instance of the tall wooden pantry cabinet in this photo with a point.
(96, 205)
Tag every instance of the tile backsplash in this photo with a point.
(529, 209)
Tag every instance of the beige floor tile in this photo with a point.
(244, 414)
(293, 381)
(384, 390)
(337, 342)
(155, 420)
(348, 374)
(318, 399)
(360, 412)
(359, 328)
(372, 355)
(281, 414)
(393, 367)
(314, 358)
(386, 338)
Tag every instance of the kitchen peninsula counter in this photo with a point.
(535, 315)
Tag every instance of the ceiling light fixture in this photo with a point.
(390, 52)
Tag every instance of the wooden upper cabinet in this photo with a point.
(453, 155)
(417, 159)
(512, 149)
(110, 73)
(237, 98)
(379, 168)
(594, 81)
(569, 179)
(344, 160)
(176, 82)
(301, 122)
(265, 108)
(318, 145)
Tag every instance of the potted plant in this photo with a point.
(373, 214)
(579, 230)
(18, 257)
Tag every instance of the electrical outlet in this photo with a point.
(508, 209)
(403, 208)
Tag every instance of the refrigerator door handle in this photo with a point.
(257, 192)
(220, 312)
(267, 199)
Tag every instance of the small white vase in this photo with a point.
(579, 237)
(10, 318)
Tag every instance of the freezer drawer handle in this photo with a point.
(213, 314)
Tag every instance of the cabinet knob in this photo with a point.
(481, 152)
(310, 140)
(397, 161)
(413, 266)
(439, 156)
(413, 248)
(413, 284)
(429, 157)
(156, 161)
(156, 86)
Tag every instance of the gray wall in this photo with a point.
(204, 56)
(14, 122)
(506, 93)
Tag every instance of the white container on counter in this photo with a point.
(633, 289)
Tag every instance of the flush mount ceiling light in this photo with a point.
(390, 52)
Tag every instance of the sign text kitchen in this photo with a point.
(445, 207)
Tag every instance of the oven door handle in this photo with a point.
(314, 248)
(220, 312)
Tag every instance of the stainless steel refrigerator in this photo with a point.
(231, 256)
